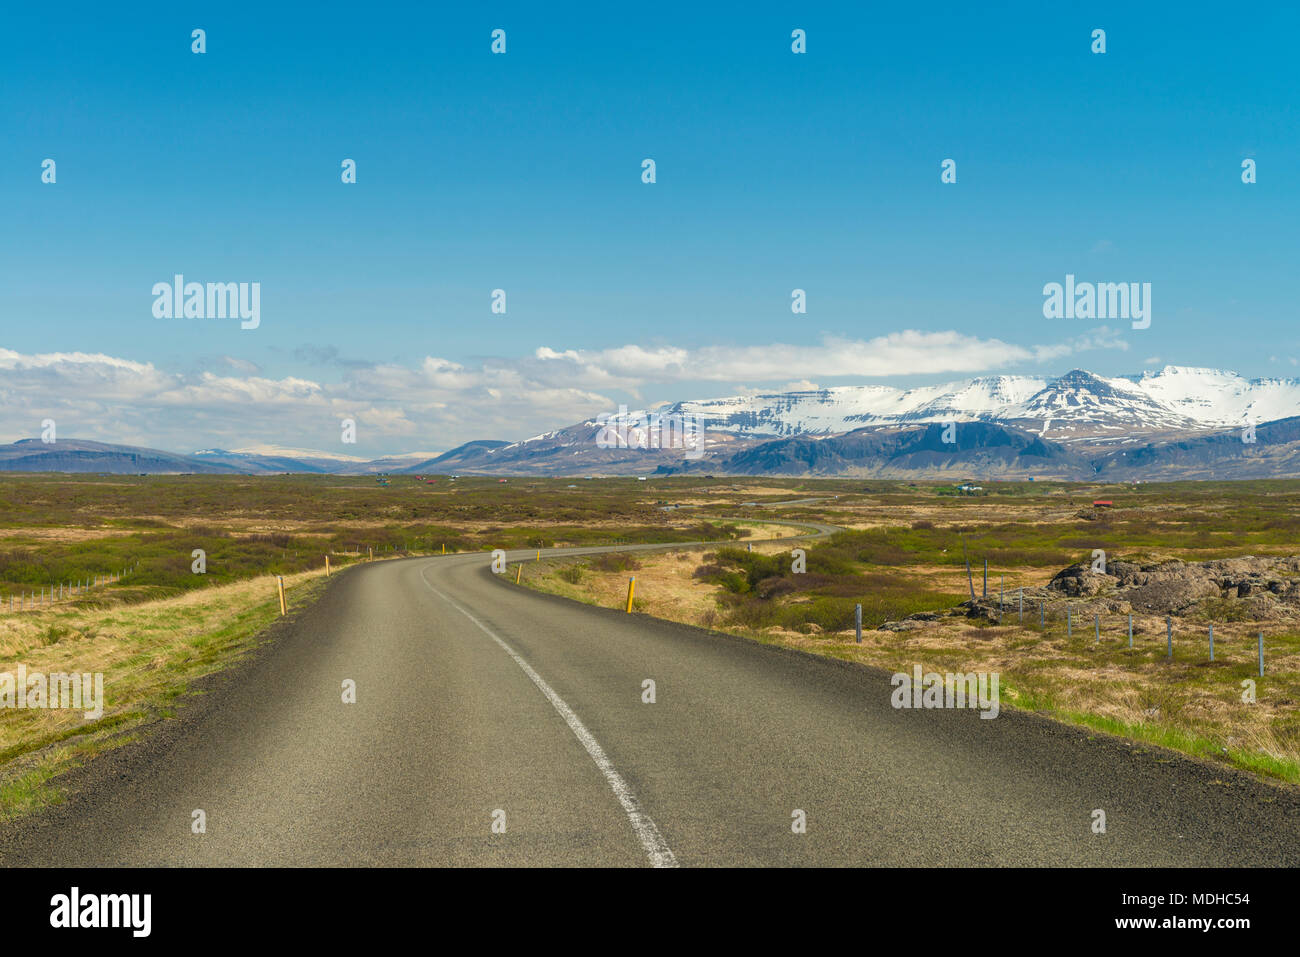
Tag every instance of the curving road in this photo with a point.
(476, 697)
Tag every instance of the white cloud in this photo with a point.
(909, 352)
(241, 365)
(439, 403)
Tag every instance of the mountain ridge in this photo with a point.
(1197, 421)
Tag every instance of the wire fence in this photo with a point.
(1077, 619)
(49, 595)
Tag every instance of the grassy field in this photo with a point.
(61, 529)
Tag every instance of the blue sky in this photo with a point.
(522, 171)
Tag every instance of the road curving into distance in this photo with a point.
(479, 701)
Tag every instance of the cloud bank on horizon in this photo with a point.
(437, 403)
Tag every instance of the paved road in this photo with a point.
(476, 696)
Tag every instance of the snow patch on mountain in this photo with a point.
(1177, 398)
(1216, 397)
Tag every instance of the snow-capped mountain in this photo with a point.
(1077, 405)
(1174, 422)
(282, 451)
(1178, 423)
(1082, 405)
(829, 411)
(979, 399)
(1216, 397)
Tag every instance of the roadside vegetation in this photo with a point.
(149, 655)
(902, 555)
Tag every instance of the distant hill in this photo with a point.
(81, 455)
(1275, 453)
(250, 464)
(470, 454)
(980, 448)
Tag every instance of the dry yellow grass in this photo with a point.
(147, 653)
(62, 534)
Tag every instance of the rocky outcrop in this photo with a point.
(1170, 587)
(1259, 589)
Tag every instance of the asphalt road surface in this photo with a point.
(479, 701)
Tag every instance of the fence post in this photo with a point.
(1169, 636)
(1211, 642)
(986, 578)
(1130, 629)
(1261, 654)
(969, 581)
(1042, 615)
(857, 622)
(1022, 604)
(1097, 626)
(1069, 623)
(631, 589)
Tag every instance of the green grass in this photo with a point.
(146, 524)
(761, 591)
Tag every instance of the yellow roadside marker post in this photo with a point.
(631, 590)
(327, 564)
(371, 550)
(539, 554)
(283, 609)
(444, 548)
(518, 571)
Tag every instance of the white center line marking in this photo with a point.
(653, 842)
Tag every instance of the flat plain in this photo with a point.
(898, 549)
